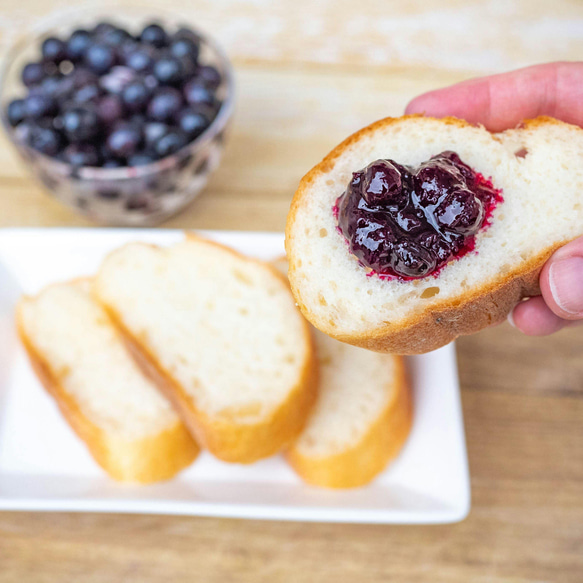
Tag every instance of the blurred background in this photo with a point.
(308, 73)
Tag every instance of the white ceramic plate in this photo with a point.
(44, 466)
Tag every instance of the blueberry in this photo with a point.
(15, 112)
(33, 73)
(117, 79)
(88, 94)
(140, 159)
(80, 123)
(411, 260)
(54, 50)
(81, 155)
(184, 47)
(165, 104)
(110, 109)
(382, 185)
(170, 143)
(124, 141)
(196, 93)
(460, 211)
(112, 163)
(54, 86)
(434, 179)
(140, 61)
(45, 140)
(102, 28)
(153, 131)
(114, 37)
(168, 71)
(135, 96)
(192, 122)
(37, 106)
(154, 35)
(209, 77)
(82, 76)
(77, 44)
(100, 58)
(186, 33)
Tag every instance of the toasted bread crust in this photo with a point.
(227, 436)
(358, 465)
(151, 459)
(443, 321)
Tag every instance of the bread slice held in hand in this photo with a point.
(233, 352)
(539, 169)
(81, 359)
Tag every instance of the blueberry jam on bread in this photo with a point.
(409, 221)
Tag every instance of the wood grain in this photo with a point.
(308, 73)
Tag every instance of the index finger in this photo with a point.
(502, 101)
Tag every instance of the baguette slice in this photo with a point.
(225, 336)
(130, 429)
(361, 419)
(538, 166)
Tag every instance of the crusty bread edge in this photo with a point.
(151, 459)
(441, 322)
(224, 436)
(361, 463)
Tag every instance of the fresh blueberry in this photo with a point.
(153, 131)
(186, 33)
(184, 47)
(100, 58)
(80, 124)
(197, 93)
(33, 73)
(165, 104)
(140, 159)
(154, 35)
(192, 122)
(54, 50)
(77, 44)
(209, 77)
(81, 155)
(112, 163)
(15, 112)
(118, 79)
(102, 28)
(168, 71)
(124, 141)
(38, 106)
(135, 96)
(110, 109)
(45, 140)
(169, 144)
(88, 94)
(114, 37)
(140, 61)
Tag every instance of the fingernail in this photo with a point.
(566, 283)
(511, 318)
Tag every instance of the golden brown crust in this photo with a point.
(358, 465)
(443, 321)
(151, 459)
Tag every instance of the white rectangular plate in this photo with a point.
(44, 466)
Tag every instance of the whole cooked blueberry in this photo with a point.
(140, 60)
(81, 155)
(124, 141)
(411, 260)
(382, 185)
(197, 93)
(192, 122)
(460, 211)
(168, 71)
(15, 112)
(135, 96)
(45, 140)
(434, 179)
(33, 73)
(154, 35)
(165, 104)
(90, 93)
(77, 44)
(54, 50)
(37, 106)
(100, 58)
(170, 143)
(110, 109)
(140, 159)
(184, 47)
(153, 131)
(80, 123)
(209, 76)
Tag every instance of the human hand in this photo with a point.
(500, 102)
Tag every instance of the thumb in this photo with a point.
(561, 281)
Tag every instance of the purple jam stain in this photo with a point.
(407, 222)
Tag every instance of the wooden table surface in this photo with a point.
(308, 73)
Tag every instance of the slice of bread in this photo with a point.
(225, 336)
(538, 166)
(361, 419)
(79, 356)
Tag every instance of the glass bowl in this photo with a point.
(126, 196)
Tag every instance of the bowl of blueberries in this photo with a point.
(123, 119)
